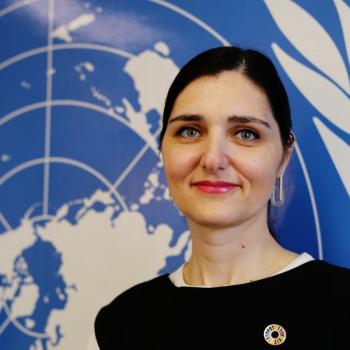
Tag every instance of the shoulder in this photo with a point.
(114, 316)
(333, 279)
(330, 270)
(133, 295)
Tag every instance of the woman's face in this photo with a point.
(222, 151)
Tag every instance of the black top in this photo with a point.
(311, 302)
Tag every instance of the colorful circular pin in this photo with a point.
(275, 334)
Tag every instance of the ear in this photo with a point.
(287, 154)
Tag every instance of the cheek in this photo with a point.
(259, 172)
(177, 165)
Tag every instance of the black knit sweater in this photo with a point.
(311, 302)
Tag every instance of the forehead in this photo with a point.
(225, 94)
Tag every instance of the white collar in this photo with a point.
(177, 276)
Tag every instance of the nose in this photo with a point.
(214, 156)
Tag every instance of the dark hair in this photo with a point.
(254, 65)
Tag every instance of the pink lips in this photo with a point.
(214, 186)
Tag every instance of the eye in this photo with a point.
(188, 132)
(247, 135)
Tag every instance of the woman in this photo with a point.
(226, 142)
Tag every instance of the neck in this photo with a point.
(234, 255)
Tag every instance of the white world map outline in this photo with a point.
(106, 48)
(49, 103)
(68, 161)
(18, 325)
(70, 46)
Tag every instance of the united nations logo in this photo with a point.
(81, 181)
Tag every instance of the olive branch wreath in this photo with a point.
(325, 82)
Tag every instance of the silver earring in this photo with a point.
(277, 198)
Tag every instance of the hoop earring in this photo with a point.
(278, 197)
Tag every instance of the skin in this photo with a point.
(231, 243)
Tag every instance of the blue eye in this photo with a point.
(248, 135)
(188, 132)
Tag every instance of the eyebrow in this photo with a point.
(231, 119)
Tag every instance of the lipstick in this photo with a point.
(214, 186)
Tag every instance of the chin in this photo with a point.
(213, 220)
